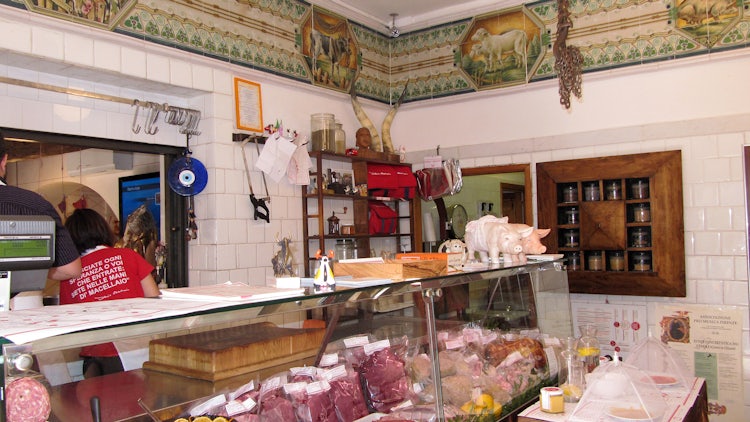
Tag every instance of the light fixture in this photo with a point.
(394, 31)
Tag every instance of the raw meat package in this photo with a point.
(346, 393)
(385, 379)
(274, 404)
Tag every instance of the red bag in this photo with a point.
(433, 183)
(383, 219)
(393, 181)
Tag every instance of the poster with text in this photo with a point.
(709, 339)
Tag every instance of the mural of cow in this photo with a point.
(335, 49)
(493, 46)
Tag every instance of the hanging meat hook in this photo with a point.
(153, 115)
(136, 127)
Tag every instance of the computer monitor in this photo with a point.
(27, 250)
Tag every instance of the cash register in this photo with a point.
(27, 251)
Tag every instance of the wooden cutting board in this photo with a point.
(220, 354)
(397, 269)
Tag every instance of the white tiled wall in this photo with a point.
(233, 246)
(715, 230)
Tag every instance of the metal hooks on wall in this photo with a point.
(188, 119)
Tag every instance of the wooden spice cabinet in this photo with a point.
(316, 210)
(629, 213)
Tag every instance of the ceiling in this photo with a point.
(412, 15)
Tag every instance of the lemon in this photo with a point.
(181, 420)
(571, 390)
(468, 407)
(588, 351)
(485, 400)
(220, 419)
(202, 419)
(497, 410)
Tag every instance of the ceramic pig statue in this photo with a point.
(491, 236)
(531, 243)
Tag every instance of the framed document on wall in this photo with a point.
(248, 106)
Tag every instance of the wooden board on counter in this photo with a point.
(398, 269)
(229, 352)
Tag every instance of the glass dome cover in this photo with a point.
(620, 392)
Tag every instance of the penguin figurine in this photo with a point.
(323, 280)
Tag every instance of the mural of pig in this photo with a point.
(531, 244)
(490, 236)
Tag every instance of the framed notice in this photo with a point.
(248, 106)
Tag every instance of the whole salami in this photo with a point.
(27, 400)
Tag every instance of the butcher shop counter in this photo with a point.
(512, 299)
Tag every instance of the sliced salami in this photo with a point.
(27, 400)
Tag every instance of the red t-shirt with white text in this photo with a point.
(106, 274)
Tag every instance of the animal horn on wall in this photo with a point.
(388, 121)
(364, 120)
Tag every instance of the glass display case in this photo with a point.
(467, 345)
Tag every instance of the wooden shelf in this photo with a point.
(316, 210)
(606, 192)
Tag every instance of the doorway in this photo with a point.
(33, 145)
(513, 202)
(483, 187)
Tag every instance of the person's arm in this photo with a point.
(150, 289)
(66, 272)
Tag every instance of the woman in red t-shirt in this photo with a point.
(107, 273)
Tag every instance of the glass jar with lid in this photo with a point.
(639, 189)
(570, 193)
(570, 238)
(571, 215)
(616, 261)
(574, 262)
(345, 249)
(591, 192)
(613, 190)
(640, 238)
(323, 131)
(642, 213)
(340, 138)
(595, 262)
(641, 261)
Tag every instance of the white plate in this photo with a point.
(629, 414)
(545, 257)
(663, 380)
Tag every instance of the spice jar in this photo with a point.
(639, 189)
(642, 213)
(570, 193)
(639, 238)
(345, 249)
(591, 192)
(613, 191)
(595, 261)
(574, 262)
(641, 261)
(616, 261)
(551, 400)
(323, 129)
(571, 215)
(570, 238)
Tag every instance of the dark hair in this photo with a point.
(3, 147)
(89, 229)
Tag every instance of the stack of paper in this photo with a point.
(238, 292)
